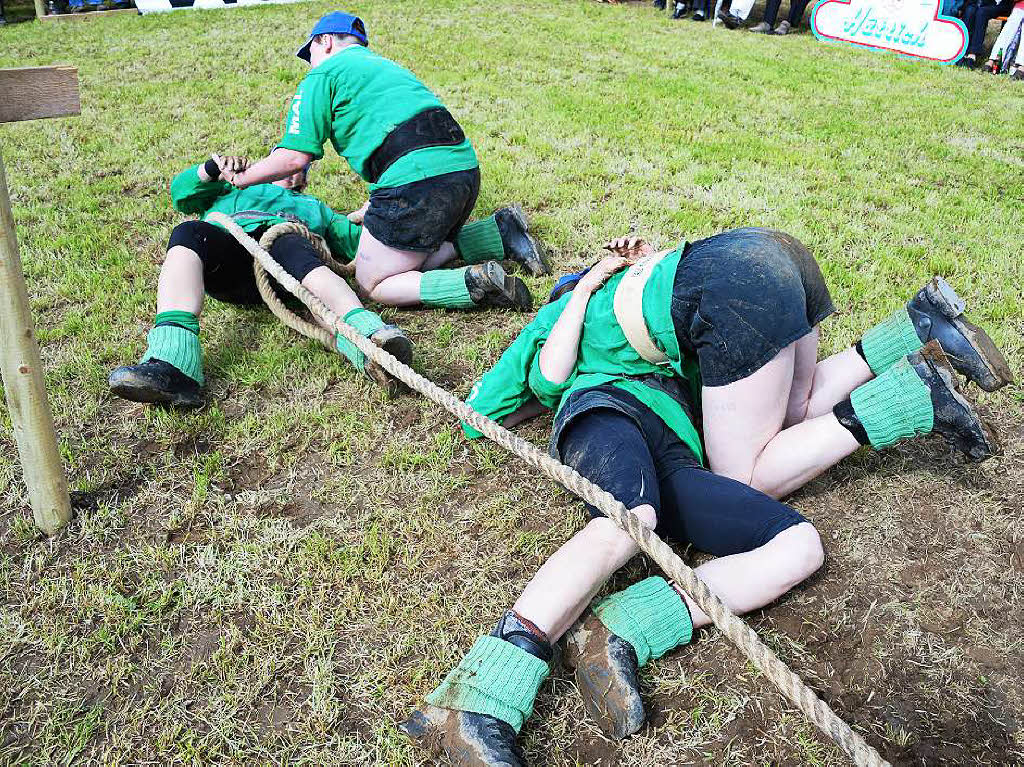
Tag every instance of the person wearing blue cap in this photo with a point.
(423, 175)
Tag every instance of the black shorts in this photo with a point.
(424, 214)
(645, 462)
(741, 297)
(227, 266)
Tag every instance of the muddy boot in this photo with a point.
(762, 28)
(395, 342)
(489, 285)
(938, 314)
(156, 382)
(519, 246)
(917, 395)
(607, 675)
(467, 739)
(955, 417)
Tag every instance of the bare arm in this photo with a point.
(561, 349)
(279, 164)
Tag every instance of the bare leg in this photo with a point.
(391, 276)
(563, 587)
(744, 436)
(181, 282)
(820, 386)
(756, 578)
(444, 256)
(332, 290)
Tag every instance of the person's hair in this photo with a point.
(340, 39)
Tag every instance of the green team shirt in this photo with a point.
(265, 205)
(356, 98)
(605, 357)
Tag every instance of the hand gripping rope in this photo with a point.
(744, 637)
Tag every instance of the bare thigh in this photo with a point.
(742, 417)
(803, 377)
(375, 261)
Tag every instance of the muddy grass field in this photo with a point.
(281, 576)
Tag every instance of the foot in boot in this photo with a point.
(607, 677)
(395, 342)
(955, 417)
(730, 21)
(783, 28)
(938, 314)
(467, 739)
(519, 245)
(681, 10)
(156, 382)
(762, 28)
(488, 285)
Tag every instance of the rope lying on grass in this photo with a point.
(269, 295)
(744, 637)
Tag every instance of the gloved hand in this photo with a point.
(230, 165)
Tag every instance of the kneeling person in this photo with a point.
(423, 175)
(204, 258)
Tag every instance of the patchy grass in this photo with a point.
(280, 577)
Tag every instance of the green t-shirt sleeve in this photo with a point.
(549, 394)
(342, 235)
(506, 387)
(307, 125)
(191, 195)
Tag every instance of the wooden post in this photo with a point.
(40, 9)
(27, 94)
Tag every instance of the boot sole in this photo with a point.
(538, 267)
(140, 389)
(509, 292)
(399, 346)
(942, 295)
(940, 362)
(593, 690)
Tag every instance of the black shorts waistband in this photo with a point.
(432, 127)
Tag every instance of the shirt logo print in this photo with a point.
(293, 126)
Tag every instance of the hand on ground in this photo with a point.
(632, 248)
(600, 272)
(356, 216)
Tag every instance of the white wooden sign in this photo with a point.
(909, 27)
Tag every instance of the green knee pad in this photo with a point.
(174, 339)
(446, 288)
(366, 324)
(650, 615)
(480, 241)
(495, 678)
(895, 405)
(890, 341)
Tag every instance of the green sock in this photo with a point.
(895, 405)
(495, 678)
(650, 615)
(446, 288)
(480, 241)
(366, 324)
(890, 341)
(174, 339)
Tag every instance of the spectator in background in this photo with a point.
(1006, 55)
(976, 15)
(771, 11)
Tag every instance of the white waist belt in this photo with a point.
(629, 309)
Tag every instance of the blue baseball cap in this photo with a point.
(335, 23)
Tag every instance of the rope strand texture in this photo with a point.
(744, 637)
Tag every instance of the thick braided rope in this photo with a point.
(744, 637)
(273, 301)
